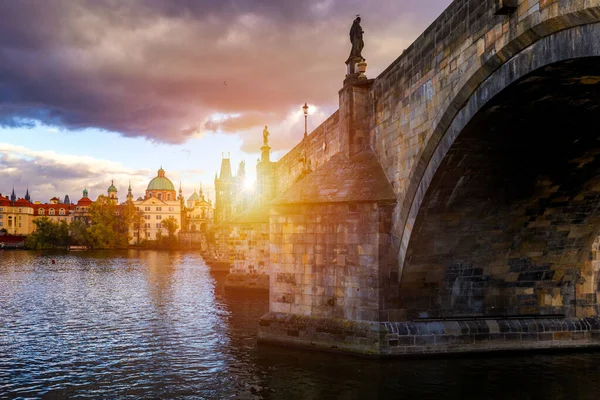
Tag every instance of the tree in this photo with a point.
(171, 225)
(79, 233)
(108, 229)
(138, 224)
(48, 234)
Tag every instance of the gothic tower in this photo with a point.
(224, 188)
(129, 193)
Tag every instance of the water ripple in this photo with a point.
(159, 325)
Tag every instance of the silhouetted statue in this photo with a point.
(265, 136)
(356, 38)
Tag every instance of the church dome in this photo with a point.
(161, 182)
(112, 187)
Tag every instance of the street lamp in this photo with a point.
(305, 108)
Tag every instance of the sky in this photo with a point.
(98, 90)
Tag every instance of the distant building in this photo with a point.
(112, 192)
(55, 211)
(225, 187)
(16, 216)
(81, 211)
(231, 199)
(199, 213)
(159, 203)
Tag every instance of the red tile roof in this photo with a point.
(22, 203)
(84, 201)
(56, 207)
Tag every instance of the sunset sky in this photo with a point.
(97, 90)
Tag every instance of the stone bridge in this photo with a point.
(453, 200)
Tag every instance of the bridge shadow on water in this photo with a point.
(274, 372)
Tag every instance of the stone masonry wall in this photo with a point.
(289, 167)
(325, 259)
(389, 339)
(220, 243)
(250, 248)
(416, 98)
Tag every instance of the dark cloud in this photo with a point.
(160, 68)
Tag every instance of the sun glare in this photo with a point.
(248, 185)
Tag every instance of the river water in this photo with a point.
(145, 324)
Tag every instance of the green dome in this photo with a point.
(112, 187)
(161, 183)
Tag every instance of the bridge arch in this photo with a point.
(458, 178)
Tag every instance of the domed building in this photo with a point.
(161, 187)
(159, 203)
(199, 212)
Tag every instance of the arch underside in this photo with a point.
(508, 225)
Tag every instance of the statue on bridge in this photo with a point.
(265, 136)
(356, 38)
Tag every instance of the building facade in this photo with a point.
(159, 203)
(199, 213)
(16, 216)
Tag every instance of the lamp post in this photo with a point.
(305, 108)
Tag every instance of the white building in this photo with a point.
(159, 203)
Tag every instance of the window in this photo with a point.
(19, 224)
(1, 216)
(1, 223)
(171, 208)
(148, 226)
(51, 211)
(41, 211)
(168, 196)
(20, 210)
(146, 208)
(158, 208)
(137, 209)
(158, 225)
(147, 234)
(20, 217)
(146, 216)
(160, 196)
(1, 209)
(159, 217)
(62, 211)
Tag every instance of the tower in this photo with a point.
(27, 196)
(224, 187)
(112, 191)
(129, 193)
(13, 196)
(67, 200)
